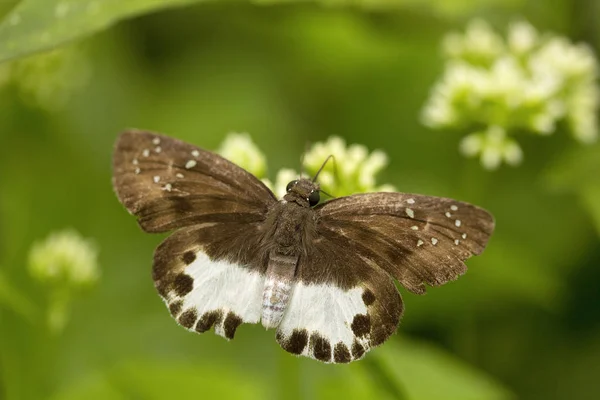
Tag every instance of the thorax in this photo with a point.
(292, 226)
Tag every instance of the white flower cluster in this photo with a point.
(239, 148)
(48, 80)
(352, 170)
(64, 258)
(526, 83)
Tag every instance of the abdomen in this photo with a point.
(279, 284)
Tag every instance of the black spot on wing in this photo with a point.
(181, 205)
(188, 257)
(208, 320)
(188, 318)
(341, 354)
(163, 288)
(175, 307)
(296, 343)
(321, 347)
(357, 350)
(368, 297)
(232, 321)
(361, 325)
(183, 284)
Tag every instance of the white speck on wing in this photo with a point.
(190, 164)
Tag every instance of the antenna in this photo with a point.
(325, 193)
(323, 166)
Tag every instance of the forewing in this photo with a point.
(210, 272)
(342, 304)
(417, 239)
(212, 275)
(170, 184)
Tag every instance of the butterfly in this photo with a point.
(321, 274)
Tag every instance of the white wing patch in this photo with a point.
(215, 293)
(326, 323)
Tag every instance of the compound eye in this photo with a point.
(290, 185)
(314, 198)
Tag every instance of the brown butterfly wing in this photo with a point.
(170, 184)
(210, 272)
(417, 239)
(343, 303)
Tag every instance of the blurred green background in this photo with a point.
(524, 322)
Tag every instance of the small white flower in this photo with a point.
(471, 145)
(240, 149)
(522, 37)
(582, 113)
(64, 258)
(493, 146)
(479, 44)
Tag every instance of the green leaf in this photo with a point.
(34, 26)
(164, 380)
(40, 25)
(426, 372)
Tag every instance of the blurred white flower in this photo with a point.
(64, 258)
(582, 114)
(522, 37)
(64, 262)
(493, 146)
(352, 169)
(240, 149)
(479, 44)
(528, 83)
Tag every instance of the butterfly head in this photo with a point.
(303, 192)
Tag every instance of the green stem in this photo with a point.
(13, 299)
(59, 309)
